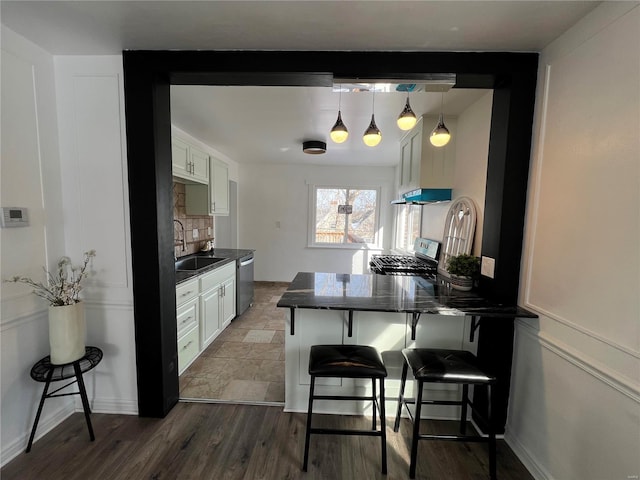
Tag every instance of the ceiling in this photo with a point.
(268, 124)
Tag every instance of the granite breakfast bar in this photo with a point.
(386, 311)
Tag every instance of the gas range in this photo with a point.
(423, 263)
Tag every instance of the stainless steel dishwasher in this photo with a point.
(244, 278)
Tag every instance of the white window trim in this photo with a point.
(311, 243)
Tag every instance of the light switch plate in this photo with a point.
(195, 233)
(488, 266)
(209, 231)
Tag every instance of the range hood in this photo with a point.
(423, 196)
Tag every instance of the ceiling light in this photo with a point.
(339, 132)
(407, 119)
(440, 135)
(314, 147)
(372, 135)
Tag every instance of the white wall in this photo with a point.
(30, 176)
(63, 157)
(470, 177)
(268, 194)
(575, 400)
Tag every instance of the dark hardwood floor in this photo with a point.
(250, 442)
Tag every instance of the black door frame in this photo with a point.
(148, 76)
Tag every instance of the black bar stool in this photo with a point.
(430, 365)
(347, 361)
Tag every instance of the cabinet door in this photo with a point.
(219, 187)
(410, 157)
(187, 316)
(228, 303)
(179, 158)
(209, 316)
(405, 166)
(199, 165)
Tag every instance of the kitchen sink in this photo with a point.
(196, 263)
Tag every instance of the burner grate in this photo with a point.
(402, 265)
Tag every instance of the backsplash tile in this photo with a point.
(190, 222)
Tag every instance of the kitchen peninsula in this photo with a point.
(387, 312)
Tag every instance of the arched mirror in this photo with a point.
(459, 229)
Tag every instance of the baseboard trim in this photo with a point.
(530, 462)
(45, 425)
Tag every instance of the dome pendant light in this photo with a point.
(440, 135)
(372, 134)
(407, 119)
(339, 132)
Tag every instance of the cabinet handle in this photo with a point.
(186, 293)
(185, 320)
(187, 345)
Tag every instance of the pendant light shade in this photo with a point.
(407, 119)
(339, 132)
(372, 135)
(440, 135)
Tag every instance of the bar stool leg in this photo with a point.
(383, 426)
(416, 432)
(85, 400)
(42, 399)
(373, 403)
(403, 380)
(308, 431)
(492, 435)
(463, 409)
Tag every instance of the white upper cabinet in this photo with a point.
(219, 187)
(199, 165)
(421, 164)
(213, 198)
(188, 162)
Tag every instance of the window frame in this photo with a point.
(406, 249)
(311, 229)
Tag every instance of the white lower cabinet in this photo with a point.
(206, 304)
(188, 325)
(228, 301)
(210, 316)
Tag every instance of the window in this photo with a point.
(408, 226)
(344, 216)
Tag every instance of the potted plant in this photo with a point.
(463, 269)
(67, 327)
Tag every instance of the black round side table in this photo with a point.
(45, 371)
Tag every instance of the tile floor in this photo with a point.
(245, 363)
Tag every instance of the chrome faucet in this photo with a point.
(184, 246)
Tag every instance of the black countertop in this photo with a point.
(229, 255)
(389, 293)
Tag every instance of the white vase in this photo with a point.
(67, 333)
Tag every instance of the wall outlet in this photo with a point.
(488, 266)
(209, 231)
(195, 233)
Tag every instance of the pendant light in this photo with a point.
(407, 119)
(339, 132)
(372, 135)
(440, 135)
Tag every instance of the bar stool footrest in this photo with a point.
(454, 438)
(340, 431)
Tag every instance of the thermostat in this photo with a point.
(14, 217)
